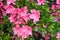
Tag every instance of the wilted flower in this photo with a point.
(36, 28)
(44, 26)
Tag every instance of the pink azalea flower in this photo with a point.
(23, 31)
(26, 17)
(53, 7)
(16, 11)
(17, 14)
(58, 2)
(10, 1)
(23, 11)
(58, 6)
(9, 8)
(16, 20)
(35, 15)
(12, 18)
(39, 2)
(26, 31)
(16, 29)
(58, 35)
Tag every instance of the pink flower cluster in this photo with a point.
(21, 15)
(55, 12)
(17, 15)
(23, 31)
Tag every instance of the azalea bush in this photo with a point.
(29, 19)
